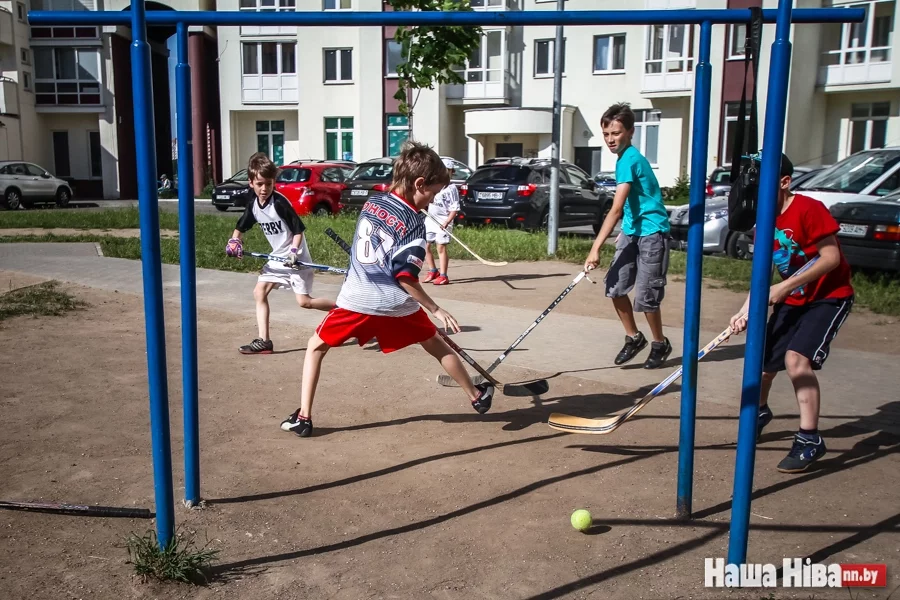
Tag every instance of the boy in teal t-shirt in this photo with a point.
(641, 261)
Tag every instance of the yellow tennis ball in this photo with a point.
(581, 520)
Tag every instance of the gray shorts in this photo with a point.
(640, 263)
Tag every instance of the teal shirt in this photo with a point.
(644, 212)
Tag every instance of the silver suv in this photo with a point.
(23, 184)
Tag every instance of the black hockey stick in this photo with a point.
(509, 389)
(540, 386)
(76, 509)
(300, 264)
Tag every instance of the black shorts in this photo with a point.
(807, 330)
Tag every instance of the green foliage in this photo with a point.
(680, 192)
(432, 53)
(208, 189)
(41, 300)
(178, 561)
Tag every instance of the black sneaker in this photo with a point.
(659, 352)
(302, 426)
(258, 346)
(632, 346)
(806, 450)
(486, 395)
(765, 417)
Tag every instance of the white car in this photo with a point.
(866, 175)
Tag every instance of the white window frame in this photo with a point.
(27, 82)
(279, 6)
(387, 66)
(869, 120)
(259, 57)
(340, 131)
(846, 50)
(270, 133)
(22, 12)
(551, 48)
(338, 62)
(736, 40)
(56, 31)
(483, 74)
(611, 56)
(644, 126)
(25, 56)
(728, 122)
(687, 48)
(56, 80)
(389, 128)
(337, 4)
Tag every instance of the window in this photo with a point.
(732, 111)
(268, 5)
(22, 12)
(576, 176)
(868, 125)
(338, 4)
(96, 153)
(338, 65)
(737, 37)
(543, 57)
(269, 58)
(397, 133)
(646, 133)
(670, 49)
(61, 32)
(333, 175)
(61, 153)
(487, 62)
(26, 81)
(393, 57)
(866, 42)
(609, 53)
(339, 138)
(25, 56)
(67, 75)
(270, 140)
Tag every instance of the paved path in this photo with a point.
(855, 383)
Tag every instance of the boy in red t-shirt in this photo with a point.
(808, 312)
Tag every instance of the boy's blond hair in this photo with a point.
(418, 160)
(260, 167)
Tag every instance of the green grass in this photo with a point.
(879, 293)
(178, 561)
(41, 300)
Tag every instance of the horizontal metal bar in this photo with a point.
(437, 18)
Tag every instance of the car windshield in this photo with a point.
(855, 173)
(239, 176)
(500, 174)
(373, 172)
(720, 177)
(293, 175)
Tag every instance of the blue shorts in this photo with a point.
(807, 330)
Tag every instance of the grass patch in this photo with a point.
(118, 218)
(41, 300)
(180, 560)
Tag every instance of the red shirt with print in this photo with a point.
(805, 223)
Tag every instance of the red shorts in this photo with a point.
(393, 333)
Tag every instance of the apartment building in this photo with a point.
(67, 100)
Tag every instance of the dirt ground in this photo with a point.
(405, 491)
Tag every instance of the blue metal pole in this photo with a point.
(148, 207)
(438, 18)
(188, 263)
(693, 288)
(760, 280)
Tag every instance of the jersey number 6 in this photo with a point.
(366, 251)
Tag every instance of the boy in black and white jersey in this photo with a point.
(381, 297)
(284, 230)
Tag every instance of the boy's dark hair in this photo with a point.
(787, 167)
(418, 160)
(260, 167)
(620, 112)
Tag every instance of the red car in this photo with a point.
(313, 187)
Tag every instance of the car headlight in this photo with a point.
(719, 214)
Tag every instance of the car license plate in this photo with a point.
(223, 197)
(490, 195)
(359, 192)
(854, 230)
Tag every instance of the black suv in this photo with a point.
(517, 192)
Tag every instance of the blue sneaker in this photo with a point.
(765, 417)
(806, 450)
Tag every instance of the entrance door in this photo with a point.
(588, 158)
(507, 150)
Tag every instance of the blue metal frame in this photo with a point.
(138, 19)
(694, 284)
(188, 262)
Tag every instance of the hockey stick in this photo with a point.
(337, 239)
(481, 260)
(572, 424)
(75, 509)
(306, 265)
(447, 381)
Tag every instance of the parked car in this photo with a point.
(313, 187)
(517, 192)
(606, 180)
(719, 183)
(461, 171)
(870, 232)
(302, 161)
(234, 192)
(861, 176)
(24, 184)
(370, 176)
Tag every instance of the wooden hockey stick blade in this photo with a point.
(469, 250)
(74, 509)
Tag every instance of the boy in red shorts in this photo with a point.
(381, 296)
(808, 312)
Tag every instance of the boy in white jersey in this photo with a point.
(381, 297)
(284, 230)
(444, 208)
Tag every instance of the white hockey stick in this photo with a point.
(481, 260)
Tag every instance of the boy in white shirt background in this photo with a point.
(444, 208)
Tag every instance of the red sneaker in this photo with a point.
(441, 280)
(430, 276)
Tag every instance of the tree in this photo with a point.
(432, 53)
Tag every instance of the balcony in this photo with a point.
(859, 53)
(483, 86)
(669, 60)
(9, 96)
(268, 6)
(494, 5)
(270, 89)
(6, 28)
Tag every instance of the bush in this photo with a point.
(680, 193)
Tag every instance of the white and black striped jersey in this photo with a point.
(389, 243)
(279, 222)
